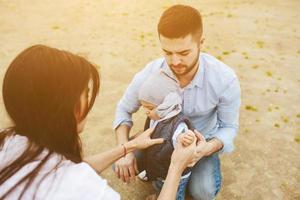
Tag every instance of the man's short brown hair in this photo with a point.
(179, 21)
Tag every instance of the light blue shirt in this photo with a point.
(211, 100)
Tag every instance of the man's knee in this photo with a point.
(206, 179)
(203, 191)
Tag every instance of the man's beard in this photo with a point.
(188, 68)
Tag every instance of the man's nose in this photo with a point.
(175, 60)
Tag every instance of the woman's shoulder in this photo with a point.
(59, 178)
(12, 147)
(80, 181)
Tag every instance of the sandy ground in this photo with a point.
(259, 39)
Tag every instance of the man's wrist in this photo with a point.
(120, 142)
(122, 133)
(212, 146)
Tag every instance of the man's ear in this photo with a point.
(202, 40)
(200, 44)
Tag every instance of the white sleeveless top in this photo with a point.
(68, 181)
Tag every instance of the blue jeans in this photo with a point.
(205, 181)
(181, 187)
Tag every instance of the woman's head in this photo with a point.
(45, 92)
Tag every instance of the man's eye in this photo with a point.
(184, 54)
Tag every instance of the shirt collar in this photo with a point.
(198, 78)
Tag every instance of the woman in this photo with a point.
(48, 94)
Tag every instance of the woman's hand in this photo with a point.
(183, 155)
(142, 140)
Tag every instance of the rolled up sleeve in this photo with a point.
(128, 104)
(228, 116)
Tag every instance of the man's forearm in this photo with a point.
(213, 146)
(122, 134)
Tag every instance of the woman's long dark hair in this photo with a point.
(41, 89)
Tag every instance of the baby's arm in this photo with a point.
(181, 132)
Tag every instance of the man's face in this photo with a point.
(181, 53)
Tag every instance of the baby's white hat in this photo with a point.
(156, 87)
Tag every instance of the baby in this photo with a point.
(159, 96)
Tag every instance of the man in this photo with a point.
(211, 97)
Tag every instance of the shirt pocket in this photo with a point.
(198, 103)
(199, 112)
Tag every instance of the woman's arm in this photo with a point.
(181, 158)
(103, 160)
(170, 186)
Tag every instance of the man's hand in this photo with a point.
(201, 145)
(183, 155)
(126, 168)
(205, 148)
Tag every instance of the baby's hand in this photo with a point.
(186, 138)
